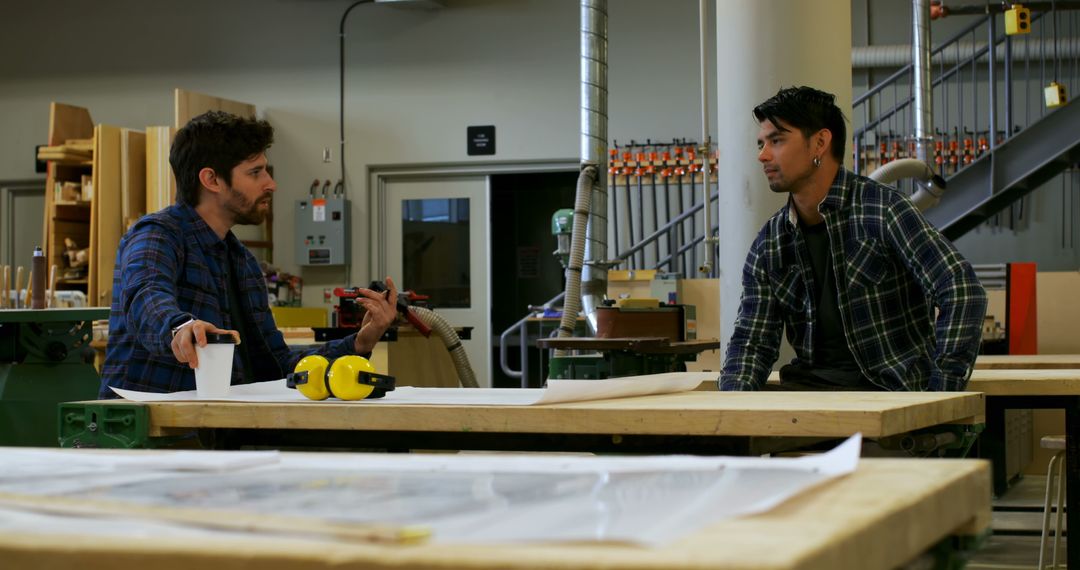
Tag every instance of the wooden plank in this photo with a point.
(189, 104)
(160, 182)
(882, 516)
(811, 414)
(416, 360)
(68, 122)
(105, 222)
(704, 294)
(1027, 361)
(132, 176)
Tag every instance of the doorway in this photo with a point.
(526, 272)
(463, 234)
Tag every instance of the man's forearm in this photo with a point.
(366, 339)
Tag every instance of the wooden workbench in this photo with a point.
(688, 422)
(1026, 382)
(1027, 361)
(1027, 389)
(884, 515)
(1033, 389)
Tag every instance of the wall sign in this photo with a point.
(481, 140)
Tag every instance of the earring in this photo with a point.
(817, 161)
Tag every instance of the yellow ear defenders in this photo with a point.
(348, 378)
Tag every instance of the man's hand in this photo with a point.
(381, 313)
(192, 334)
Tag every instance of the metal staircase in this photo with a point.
(1009, 172)
(996, 140)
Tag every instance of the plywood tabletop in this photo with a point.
(882, 516)
(1027, 361)
(806, 414)
(1062, 382)
(1014, 382)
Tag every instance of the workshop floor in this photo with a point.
(1017, 525)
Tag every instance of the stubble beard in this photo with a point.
(785, 186)
(245, 212)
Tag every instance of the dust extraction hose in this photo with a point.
(572, 299)
(931, 185)
(453, 344)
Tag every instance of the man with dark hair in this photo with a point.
(181, 273)
(872, 297)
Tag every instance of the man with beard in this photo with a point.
(872, 297)
(181, 273)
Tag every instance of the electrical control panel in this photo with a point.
(322, 230)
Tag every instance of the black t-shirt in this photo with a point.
(236, 312)
(833, 362)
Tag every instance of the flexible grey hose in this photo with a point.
(453, 344)
(572, 300)
(931, 185)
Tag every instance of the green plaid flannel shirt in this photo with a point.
(893, 270)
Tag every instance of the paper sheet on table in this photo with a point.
(461, 498)
(34, 470)
(557, 391)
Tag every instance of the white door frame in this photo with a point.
(381, 176)
(9, 191)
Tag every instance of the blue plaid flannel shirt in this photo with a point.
(168, 270)
(893, 270)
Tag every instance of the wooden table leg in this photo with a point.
(992, 443)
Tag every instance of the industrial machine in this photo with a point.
(45, 359)
(633, 337)
(562, 227)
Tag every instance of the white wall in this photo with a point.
(415, 80)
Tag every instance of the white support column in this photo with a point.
(763, 45)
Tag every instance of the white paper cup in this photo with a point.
(214, 373)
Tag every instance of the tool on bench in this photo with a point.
(350, 313)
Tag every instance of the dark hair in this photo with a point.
(808, 110)
(217, 140)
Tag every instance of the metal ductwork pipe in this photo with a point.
(931, 186)
(594, 139)
(572, 298)
(1023, 49)
(706, 142)
(921, 86)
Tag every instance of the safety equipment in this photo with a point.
(347, 378)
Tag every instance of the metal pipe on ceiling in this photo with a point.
(883, 56)
(922, 88)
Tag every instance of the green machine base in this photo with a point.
(42, 363)
(615, 364)
(618, 357)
